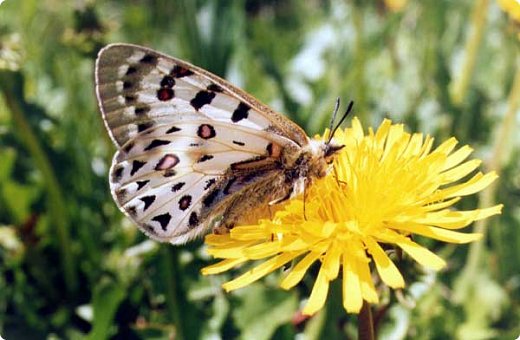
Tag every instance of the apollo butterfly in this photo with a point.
(193, 151)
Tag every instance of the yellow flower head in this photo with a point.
(395, 5)
(511, 7)
(384, 187)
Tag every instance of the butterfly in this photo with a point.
(193, 151)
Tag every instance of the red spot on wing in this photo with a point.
(165, 94)
(274, 150)
(206, 131)
(167, 162)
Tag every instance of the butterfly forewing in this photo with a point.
(189, 143)
(138, 88)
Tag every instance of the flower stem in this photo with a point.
(170, 268)
(459, 87)
(500, 154)
(359, 61)
(366, 323)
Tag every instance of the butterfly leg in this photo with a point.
(222, 229)
(219, 227)
(283, 198)
(336, 176)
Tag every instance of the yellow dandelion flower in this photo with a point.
(395, 5)
(511, 7)
(385, 187)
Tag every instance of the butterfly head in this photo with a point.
(321, 157)
(329, 151)
(331, 147)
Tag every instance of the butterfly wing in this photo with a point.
(138, 88)
(188, 141)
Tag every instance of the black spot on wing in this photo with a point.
(156, 143)
(131, 70)
(172, 130)
(148, 200)
(241, 112)
(129, 99)
(163, 220)
(117, 174)
(202, 98)
(121, 194)
(214, 87)
(194, 219)
(205, 158)
(209, 183)
(178, 186)
(132, 211)
(185, 202)
(149, 59)
(179, 72)
(210, 198)
(136, 165)
(169, 173)
(144, 126)
(239, 143)
(141, 110)
(128, 146)
(141, 184)
(168, 81)
(127, 85)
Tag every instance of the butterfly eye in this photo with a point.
(331, 149)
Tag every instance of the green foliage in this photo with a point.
(71, 266)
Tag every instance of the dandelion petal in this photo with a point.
(352, 298)
(299, 270)
(385, 267)
(422, 255)
(259, 271)
(222, 266)
(318, 294)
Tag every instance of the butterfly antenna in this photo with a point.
(334, 114)
(349, 109)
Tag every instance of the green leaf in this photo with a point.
(107, 297)
(263, 310)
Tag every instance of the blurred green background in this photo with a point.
(71, 266)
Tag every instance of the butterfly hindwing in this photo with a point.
(164, 178)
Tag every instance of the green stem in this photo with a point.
(11, 85)
(170, 266)
(366, 323)
(359, 62)
(500, 154)
(460, 86)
